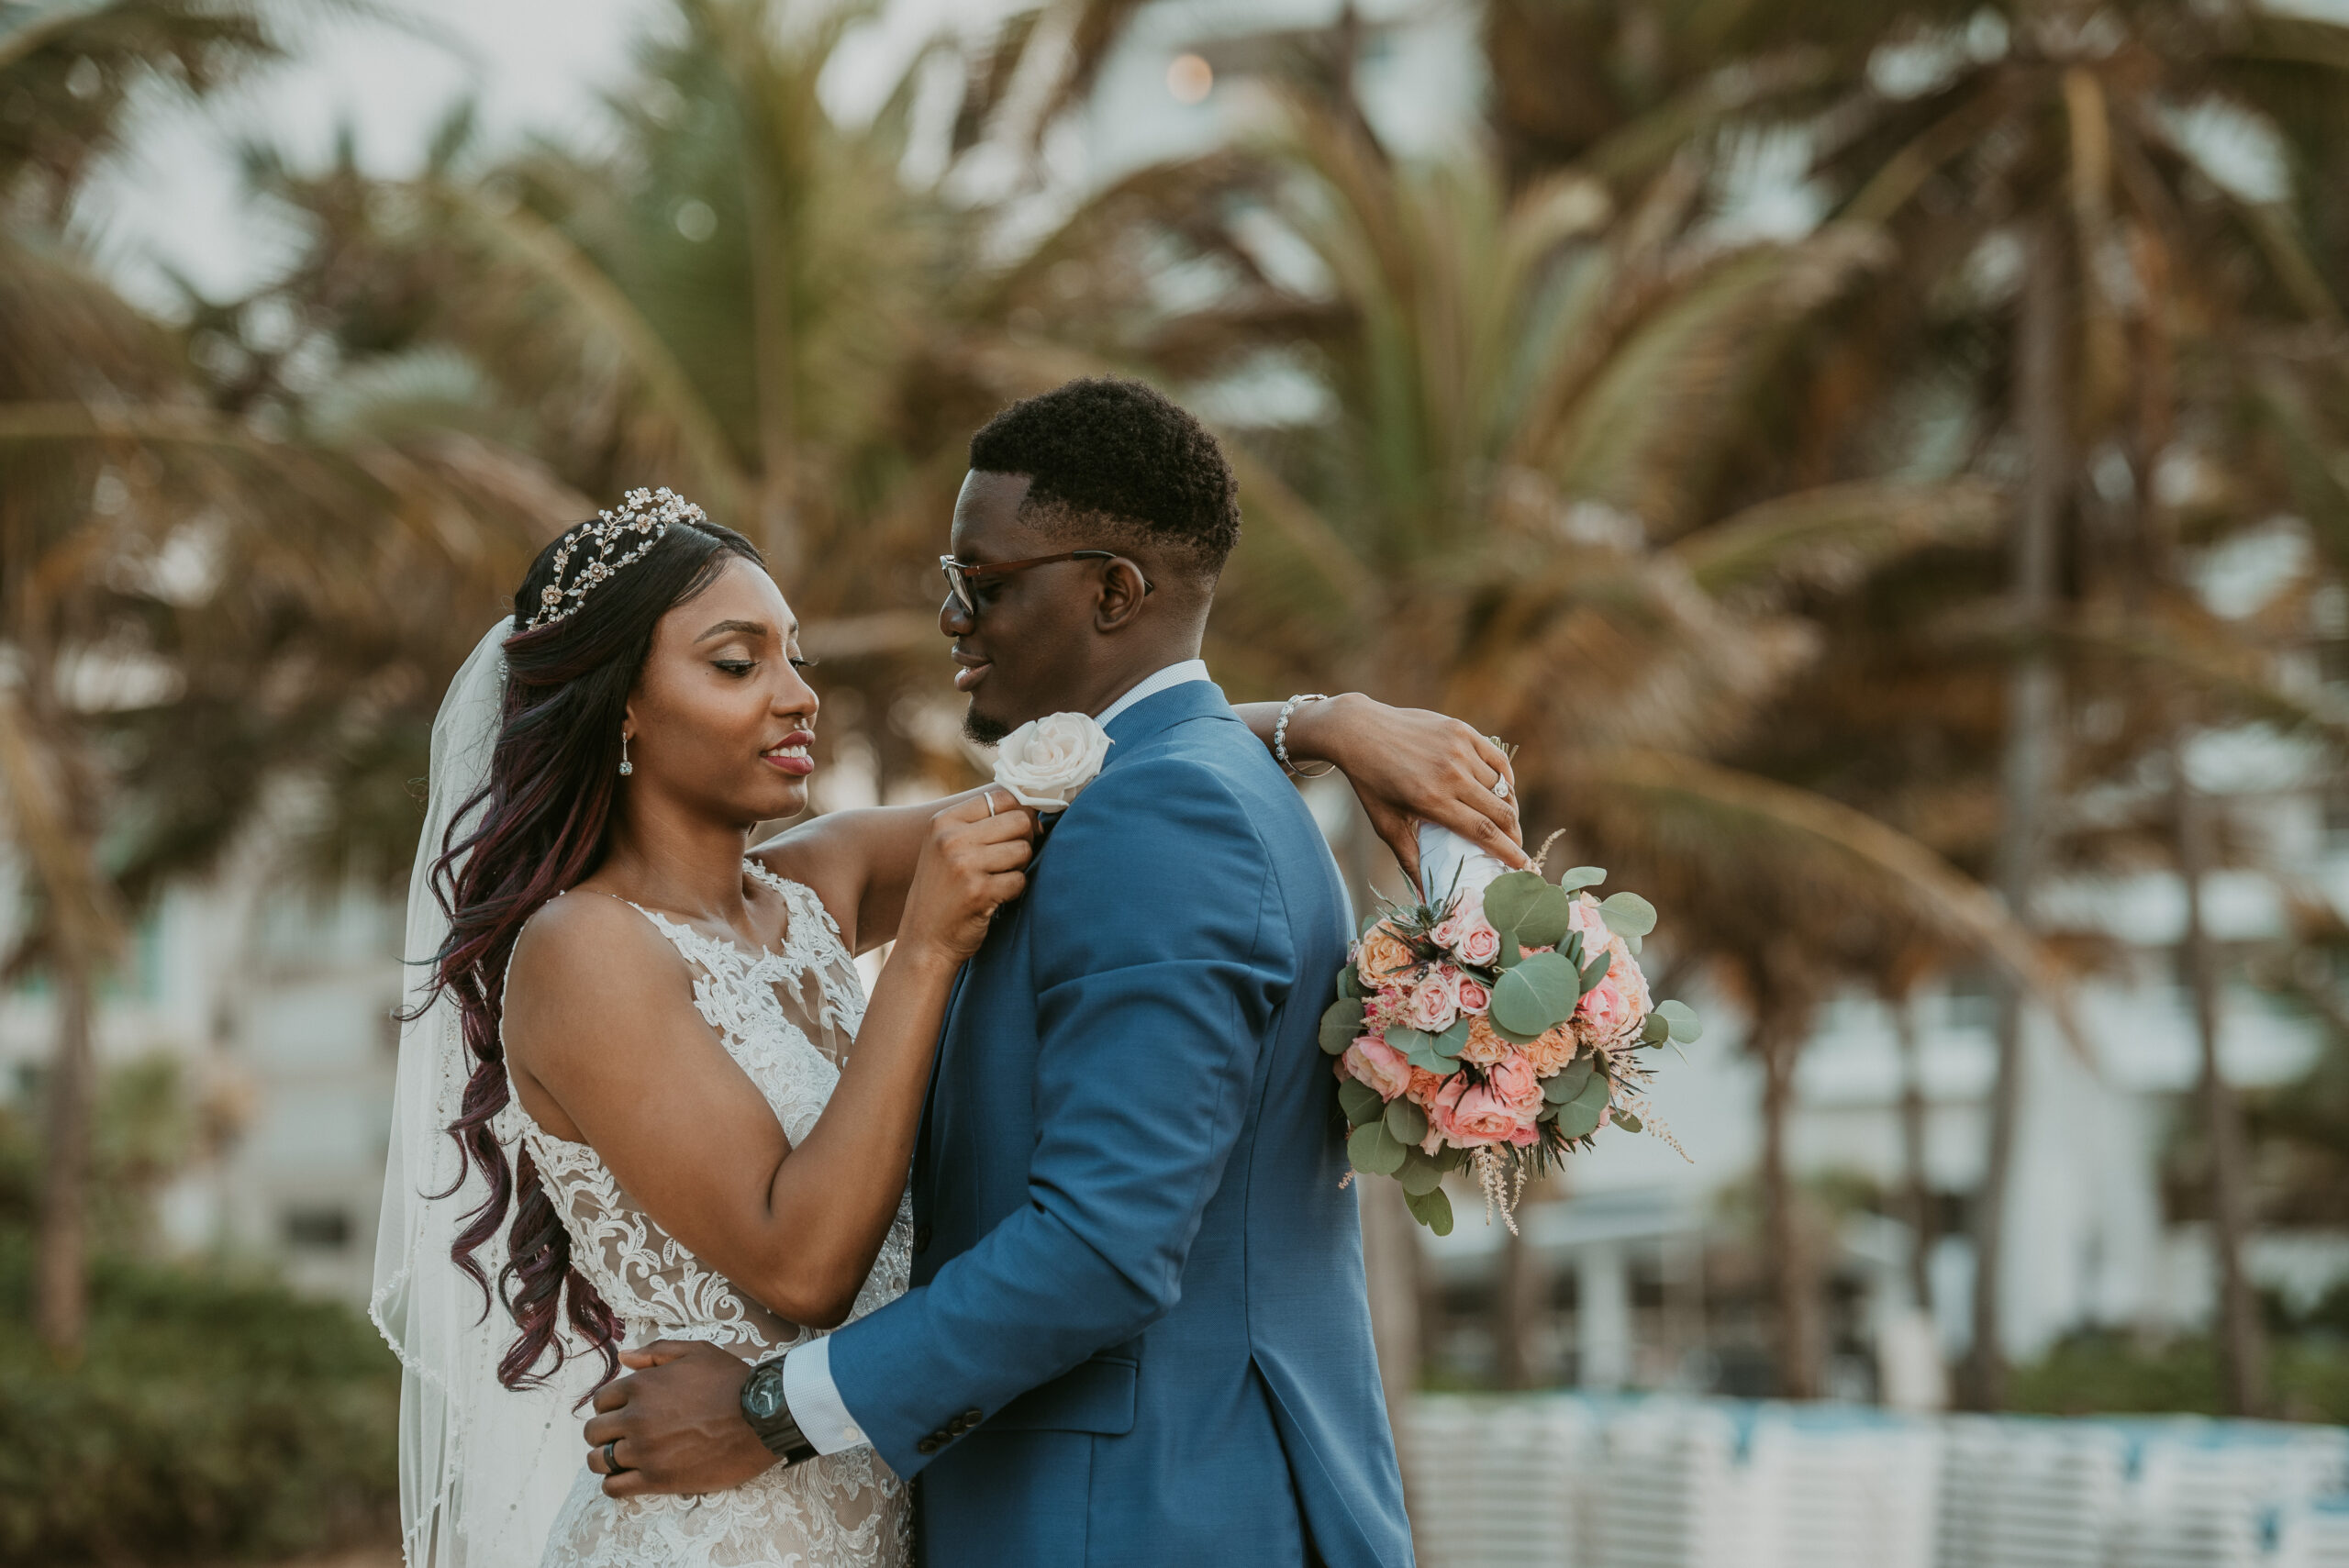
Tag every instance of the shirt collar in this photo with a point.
(1148, 686)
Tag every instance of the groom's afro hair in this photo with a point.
(1108, 452)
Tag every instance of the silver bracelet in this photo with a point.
(1280, 736)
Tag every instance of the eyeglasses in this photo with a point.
(962, 579)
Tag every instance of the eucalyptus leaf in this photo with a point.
(1631, 944)
(1580, 877)
(1432, 1209)
(1592, 973)
(1682, 1019)
(1511, 952)
(1419, 1175)
(1628, 913)
(1350, 984)
(1359, 1101)
(1421, 1050)
(1569, 1080)
(1451, 1041)
(1374, 1150)
(1578, 1118)
(1406, 1122)
(1512, 895)
(1656, 1030)
(1627, 1121)
(1340, 1024)
(1572, 947)
(1546, 924)
(1538, 994)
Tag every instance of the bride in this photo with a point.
(628, 1105)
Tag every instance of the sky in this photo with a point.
(530, 65)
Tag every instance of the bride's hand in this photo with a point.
(1410, 766)
(974, 862)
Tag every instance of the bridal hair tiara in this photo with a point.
(643, 516)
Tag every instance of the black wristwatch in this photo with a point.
(764, 1408)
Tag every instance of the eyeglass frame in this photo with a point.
(959, 576)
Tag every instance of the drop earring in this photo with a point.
(626, 767)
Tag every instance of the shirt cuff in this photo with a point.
(814, 1402)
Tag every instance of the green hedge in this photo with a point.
(2308, 1378)
(214, 1417)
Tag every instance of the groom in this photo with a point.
(1137, 1331)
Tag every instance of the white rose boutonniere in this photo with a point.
(1047, 762)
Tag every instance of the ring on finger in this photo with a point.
(1501, 786)
(990, 799)
(612, 1465)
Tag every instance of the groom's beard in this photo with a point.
(978, 727)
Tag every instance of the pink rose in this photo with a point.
(1372, 1061)
(1504, 1108)
(1479, 944)
(1618, 1002)
(1475, 998)
(1434, 1002)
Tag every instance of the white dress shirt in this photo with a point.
(807, 1388)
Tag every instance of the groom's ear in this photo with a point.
(1122, 593)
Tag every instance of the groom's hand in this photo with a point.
(677, 1421)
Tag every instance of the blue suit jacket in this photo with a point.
(1138, 1331)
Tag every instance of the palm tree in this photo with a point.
(190, 604)
(2060, 168)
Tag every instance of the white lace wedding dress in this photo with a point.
(786, 1017)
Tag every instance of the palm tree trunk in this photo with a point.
(52, 802)
(60, 1266)
(2032, 696)
(1520, 1293)
(2242, 1377)
(1917, 1188)
(1778, 1029)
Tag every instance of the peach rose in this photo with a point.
(1485, 1045)
(1502, 1109)
(1553, 1049)
(1475, 998)
(1434, 1002)
(1372, 1061)
(1382, 955)
(1425, 1086)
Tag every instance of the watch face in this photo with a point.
(762, 1396)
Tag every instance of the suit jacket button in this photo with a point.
(921, 1238)
(927, 1445)
(968, 1419)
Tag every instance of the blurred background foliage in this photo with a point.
(1832, 576)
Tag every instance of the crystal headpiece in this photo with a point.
(643, 517)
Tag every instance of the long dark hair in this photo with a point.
(540, 825)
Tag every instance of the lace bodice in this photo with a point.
(787, 1017)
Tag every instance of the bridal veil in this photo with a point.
(483, 1469)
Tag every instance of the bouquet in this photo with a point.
(1496, 1031)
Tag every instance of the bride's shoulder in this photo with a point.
(583, 943)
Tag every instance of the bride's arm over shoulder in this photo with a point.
(1408, 766)
(608, 1049)
(859, 862)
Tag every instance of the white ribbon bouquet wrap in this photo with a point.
(1047, 762)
